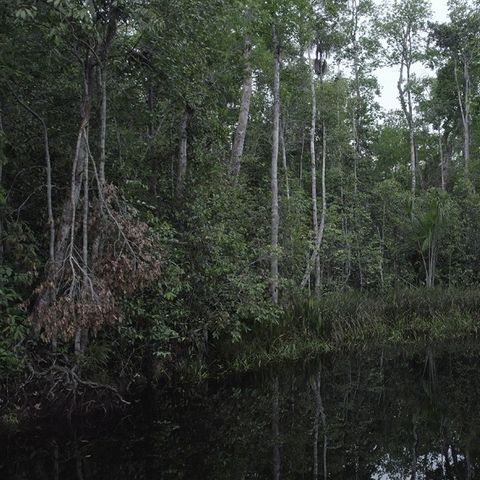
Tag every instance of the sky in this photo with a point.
(388, 76)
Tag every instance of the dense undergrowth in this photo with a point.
(342, 321)
(50, 383)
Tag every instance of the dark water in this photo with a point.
(368, 415)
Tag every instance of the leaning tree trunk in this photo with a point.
(275, 221)
(241, 130)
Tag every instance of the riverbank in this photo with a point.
(61, 385)
(343, 321)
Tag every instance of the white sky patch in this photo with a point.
(388, 76)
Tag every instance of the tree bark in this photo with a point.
(407, 108)
(103, 124)
(315, 256)
(284, 160)
(182, 156)
(101, 180)
(275, 220)
(443, 182)
(63, 277)
(356, 100)
(464, 104)
(313, 173)
(64, 242)
(466, 141)
(241, 130)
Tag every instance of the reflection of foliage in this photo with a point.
(374, 404)
(353, 320)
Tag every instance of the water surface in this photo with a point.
(363, 415)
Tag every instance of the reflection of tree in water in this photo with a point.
(364, 416)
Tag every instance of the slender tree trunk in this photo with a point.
(67, 220)
(65, 263)
(66, 229)
(313, 171)
(319, 237)
(382, 245)
(81, 334)
(300, 173)
(241, 130)
(357, 99)
(182, 156)
(466, 140)
(407, 108)
(284, 160)
(442, 163)
(102, 81)
(464, 104)
(274, 168)
(413, 152)
(48, 167)
(103, 123)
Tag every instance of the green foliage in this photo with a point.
(351, 320)
(209, 302)
(13, 325)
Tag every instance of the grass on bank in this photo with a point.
(359, 319)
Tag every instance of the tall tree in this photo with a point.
(403, 28)
(247, 89)
(459, 43)
(274, 167)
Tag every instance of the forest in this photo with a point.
(194, 188)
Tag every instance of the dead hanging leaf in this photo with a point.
(124, 258)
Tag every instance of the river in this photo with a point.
(368, 414)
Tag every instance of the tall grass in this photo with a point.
(351, 319)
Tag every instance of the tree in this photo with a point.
(403, 28)
(247, 89)
(459, 43)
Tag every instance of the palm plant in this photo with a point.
(429, 224)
